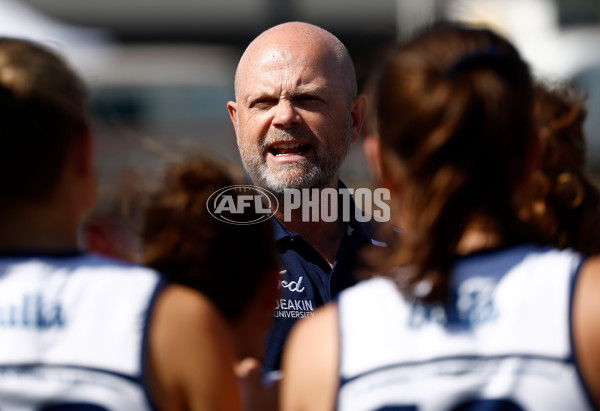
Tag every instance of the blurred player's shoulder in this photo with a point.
(586, 317)
(183, 320)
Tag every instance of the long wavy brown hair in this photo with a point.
(563, 202)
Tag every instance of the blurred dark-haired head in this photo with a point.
(181, 239)
(42, 114)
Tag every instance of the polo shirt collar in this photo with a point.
(354, 227)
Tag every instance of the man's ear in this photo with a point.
(358, 113)
(372, 149)
(232, 108)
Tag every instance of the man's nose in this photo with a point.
(286, 115)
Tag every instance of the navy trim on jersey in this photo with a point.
(341, 382)
(25, 366)
(144, 378)
(345, 381)
(586, 390)
(35, 253)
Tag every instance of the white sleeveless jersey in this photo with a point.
(504, 344)
(71, 333)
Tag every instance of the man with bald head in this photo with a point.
(296, 113)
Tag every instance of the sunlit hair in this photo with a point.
(454, 112)
(183, 241)
(307, 33)
(563, 202)
(42, 113)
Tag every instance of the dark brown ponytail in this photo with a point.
(455, 110)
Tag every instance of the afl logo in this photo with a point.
(242, 204)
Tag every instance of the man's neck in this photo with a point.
(325, 237)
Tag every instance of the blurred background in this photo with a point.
(161, 72)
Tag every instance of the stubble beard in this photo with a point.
(321, 172)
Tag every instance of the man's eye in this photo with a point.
(261, 102)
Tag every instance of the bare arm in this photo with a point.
(310, 363)
(586, 325)
(190, 354)
(255, 395)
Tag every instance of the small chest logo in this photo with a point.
(293, 286)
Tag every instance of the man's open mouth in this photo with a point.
(283, 149)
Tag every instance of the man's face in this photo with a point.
(293, 121)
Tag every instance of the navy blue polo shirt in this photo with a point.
(307, 281)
